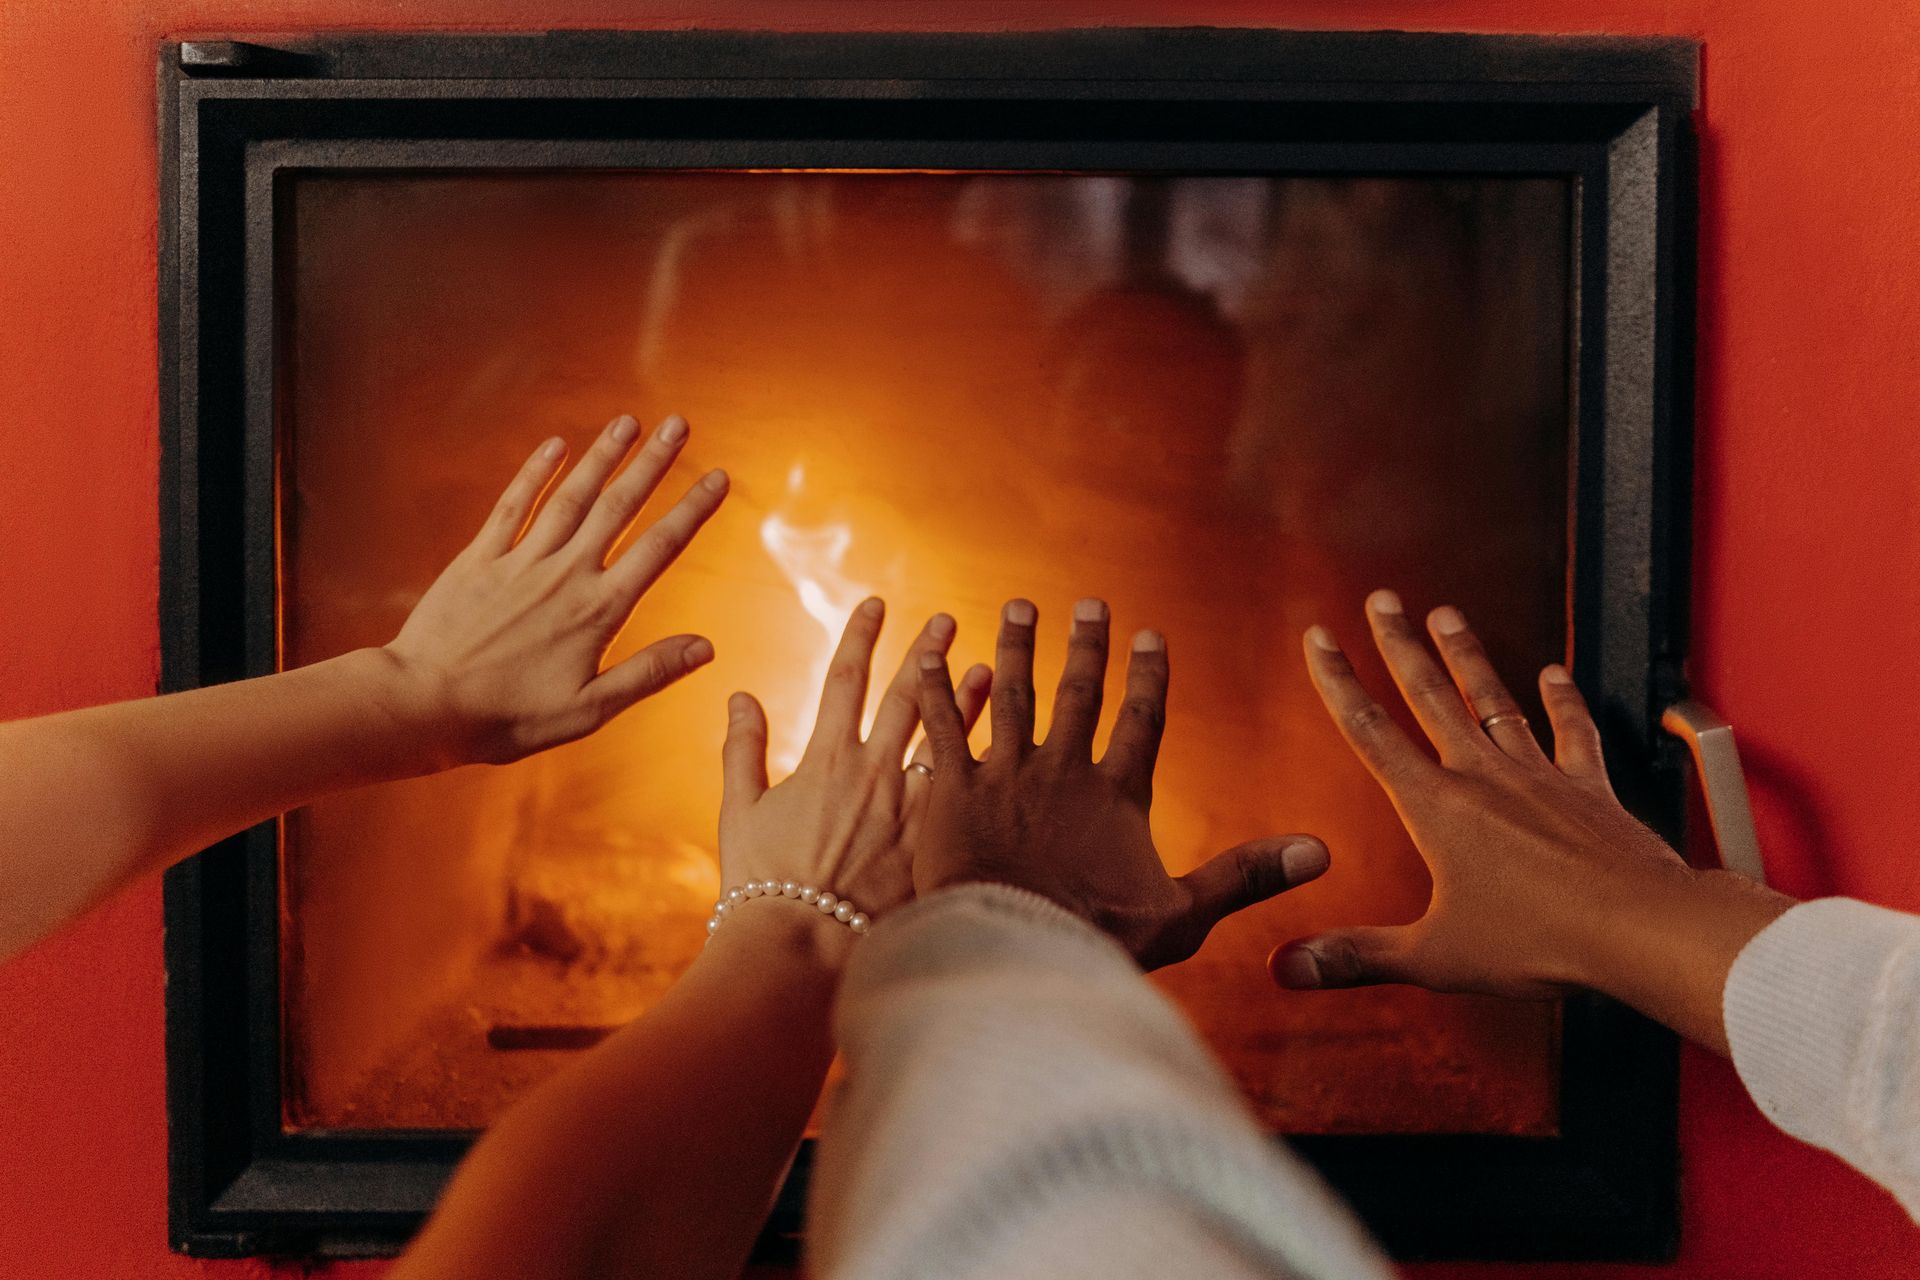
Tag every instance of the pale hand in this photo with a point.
(843, 820)
(502, 656)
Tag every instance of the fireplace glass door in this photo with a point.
(1230, 405)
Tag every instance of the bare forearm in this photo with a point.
(1668, 940)
(92, 799)
(659, 1153)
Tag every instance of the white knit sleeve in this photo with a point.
(1823, 1016)
(1017, 1091)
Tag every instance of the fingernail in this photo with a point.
(1322, 639)
(716, 481)
(673, 430)
(624, 429)
(1295, 967)
(1554, 673)
(1303, 861)
(553, 448)
(1149, 642)
(699, 651)
(1020, 613)
(1090, 611)
(1384, 601)
(940, 626)
(1448, 621)
(931, 662)
(872, 607)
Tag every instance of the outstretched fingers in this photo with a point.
(522, 495)
(1576, 739)
(570, 501)
(1429, 691)
(843, 697)
(641, 565)
(743, 758)
(1076, 707)
(939, 711)
(620, 502)
(899, 712)
(1485, 692)
(1382, 746)
(976, 685)
(1013, 682)
(1134, 746)
(646, 673)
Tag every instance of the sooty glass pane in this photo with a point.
(1230, 405)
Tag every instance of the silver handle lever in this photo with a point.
(1717, 760)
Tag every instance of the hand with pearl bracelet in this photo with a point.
(674, 1134)
(831, 838)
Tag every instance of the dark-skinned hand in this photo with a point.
(1048, 818)
(1542, 881)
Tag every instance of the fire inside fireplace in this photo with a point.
(1230, 405)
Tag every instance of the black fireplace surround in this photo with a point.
(1610, 115)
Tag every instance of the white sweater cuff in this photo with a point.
(1814, 1007)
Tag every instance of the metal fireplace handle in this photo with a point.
(1717, 760)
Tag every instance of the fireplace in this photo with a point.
(1227, 327)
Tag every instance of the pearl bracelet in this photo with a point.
(826, 903)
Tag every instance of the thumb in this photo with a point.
(743, 759)
(1342, 958)
(1252, 872)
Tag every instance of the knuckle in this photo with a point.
(658, 543)
(1368, 718)
(1144, 711)
(1080, 689)
(1493, 701)
(1261, 876)
(1430, 684)
(844, 673)
(568, 506)
(1016, 699)
(1342, 962)
(591, 609)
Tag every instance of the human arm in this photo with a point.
(1542, 881)
(659, 1152)
(501, 658)
(1082, 1129)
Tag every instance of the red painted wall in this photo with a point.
(1806, 606)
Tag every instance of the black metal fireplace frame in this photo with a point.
(1610, 115)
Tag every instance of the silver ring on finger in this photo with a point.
(924, 770)
(1504, 717)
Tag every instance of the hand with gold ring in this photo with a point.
(841, 819)
(1542, 881)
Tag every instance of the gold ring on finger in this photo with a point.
(1486, 725)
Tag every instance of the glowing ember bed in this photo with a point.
(1228, 362)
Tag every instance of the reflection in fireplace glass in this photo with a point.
(1230, 405)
